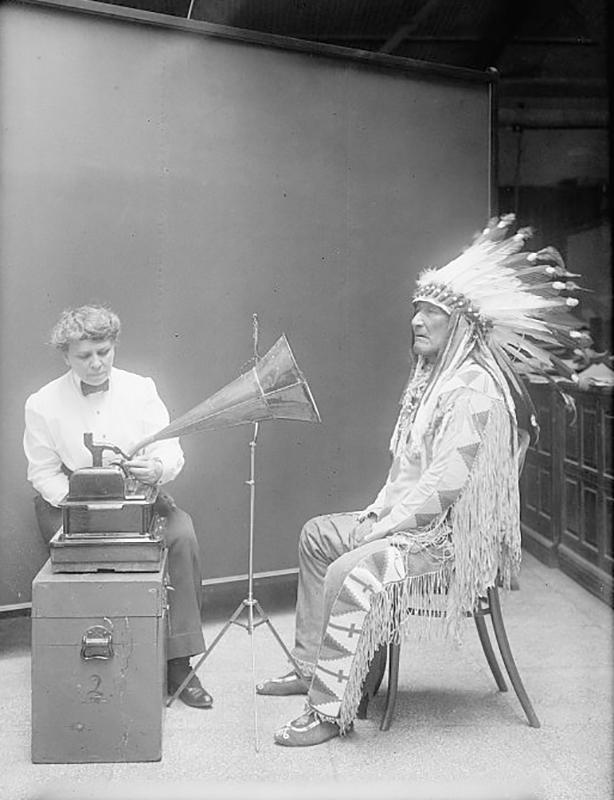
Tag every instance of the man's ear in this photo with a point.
(65, 357)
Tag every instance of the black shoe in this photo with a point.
(193, 694)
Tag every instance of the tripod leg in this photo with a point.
(280, 641)
(206, 654)
(251, 639)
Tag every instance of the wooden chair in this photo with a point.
(487, 606)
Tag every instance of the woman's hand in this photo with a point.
(145, 469)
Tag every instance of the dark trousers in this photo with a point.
(185, 636)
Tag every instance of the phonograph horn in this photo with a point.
(273, 389)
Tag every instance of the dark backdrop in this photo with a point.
(190, 180)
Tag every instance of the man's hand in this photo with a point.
(362, 529)
(145, 469)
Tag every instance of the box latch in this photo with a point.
(97, 642)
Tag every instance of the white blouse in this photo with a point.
(57, 416)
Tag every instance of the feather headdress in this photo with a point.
(516, 300)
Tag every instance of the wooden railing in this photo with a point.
(566, 487)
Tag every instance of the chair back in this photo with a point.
(523, 446)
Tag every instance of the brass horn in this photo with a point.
(273, 389)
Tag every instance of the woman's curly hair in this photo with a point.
(86, 322)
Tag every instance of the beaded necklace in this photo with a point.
(409, 404)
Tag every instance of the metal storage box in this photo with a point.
(98, 666)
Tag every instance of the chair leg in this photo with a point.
(361, 711)
(381, 657)
(480, 624)
(508, 659)
(394, 652)
(373, 680)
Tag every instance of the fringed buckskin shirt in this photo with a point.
(424, 483)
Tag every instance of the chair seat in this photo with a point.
(488, 606)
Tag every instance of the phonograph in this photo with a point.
(108, 519)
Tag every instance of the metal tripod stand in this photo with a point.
(249, 606)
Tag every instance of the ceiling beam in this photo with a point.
(399, 36)
(500, 32)
(553, 118)
(552, 87)
(560, 41)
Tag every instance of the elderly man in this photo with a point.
(446, 521)
(119, 408)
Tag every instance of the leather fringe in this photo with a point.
(486, 539)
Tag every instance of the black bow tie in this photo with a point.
(87, 388)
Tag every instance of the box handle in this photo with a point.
(97, 642)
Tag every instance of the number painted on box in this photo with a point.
(94, 695)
